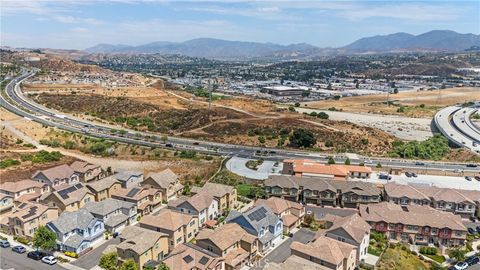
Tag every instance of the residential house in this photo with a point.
(261, 222)
(24, 190)
(202, 205)
(327, 252)
(102, 189)
(87, 172)
(129, 179)
(190, 256)
(146, 199)
(68, 198)
(56, 176)
(322, 191)
(6, 203)
(115, 214)
(311, 168)
(225, 195)
(25, 219)
(353, 230)
(460, 202)
(415, 224)
(167, 181)
(142, 245)
(77, 231)
(180, 228)
(294, 263)
(232, 242)
(292, 213)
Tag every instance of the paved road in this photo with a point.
(21, 105)
(282, 252)
(452, 125)
(462, 121)
(320, 212)
(92, 258)
(13, 260)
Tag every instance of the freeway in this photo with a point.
(454, 123)
(14, 100)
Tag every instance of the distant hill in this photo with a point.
(438, 40)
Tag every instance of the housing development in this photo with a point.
(246, 135)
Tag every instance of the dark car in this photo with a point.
(468, 178)
(19, 249)
(168, 145)
(418, 163)
(471, 231)
(36, 255)
(414, 174)
(477, 178)
(472, 165)
(472, 260)
(478, 228)
(407, 174)
(196, 143)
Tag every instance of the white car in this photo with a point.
(49, 260)
(461, 266)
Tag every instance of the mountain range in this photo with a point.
(437, 40)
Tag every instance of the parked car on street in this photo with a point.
(408, 174)
(19, 249)
(472, 231)
(468, 178)
(461, 265)
(49, 260)
(36, 255)
(472, 260)
(4, 243)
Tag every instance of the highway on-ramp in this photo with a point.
(13, 100)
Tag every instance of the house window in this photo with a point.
(179, 240)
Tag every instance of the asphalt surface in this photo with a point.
(13, 260)
(452, 123)
(283, 251)
(320, 212)
(21, 105)
(92, 258)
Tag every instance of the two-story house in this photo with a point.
(142, 245)
(24, 190)
(262, 223)
(415, 224)
(166, 181)
(87, 172)
(146, 199)
(115, 214)
(327, 252)
(25, 219)
(225, 195)
(202, 205)
(102, 189)
(292, 213)
(56, 176)
(129, 179)
(77, 231)
(180, 228)
(68, 198)
(232, 242)
(459, 202)
(6, 203)
(190, 256)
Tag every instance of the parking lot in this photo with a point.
(13, 260)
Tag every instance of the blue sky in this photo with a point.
(78, 24)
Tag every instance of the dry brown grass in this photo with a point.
(412, 101)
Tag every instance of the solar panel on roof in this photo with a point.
(203, 260)
(258, 214)
(133, 192)
(188, 259)
(31, 212)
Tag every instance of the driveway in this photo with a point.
(91, 259)
(320, 212)
(282, 252)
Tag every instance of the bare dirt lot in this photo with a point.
(411, 102)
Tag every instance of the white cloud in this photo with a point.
(79, 30)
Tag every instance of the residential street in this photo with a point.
(13, 260)
(91, 259)
(282, 252)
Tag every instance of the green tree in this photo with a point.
(163, 266)
(302, 138)
(322, 115)
(331, 160)
(44, 238)
(129, 265)
(456, 254)
(291, 108)
(109, 261)
(379, 165)
(297, 104)
(261, 139)
(164, 138)
(347, 161)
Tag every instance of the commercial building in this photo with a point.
(311, 168)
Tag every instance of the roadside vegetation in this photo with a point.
(434, 148)
(36, 158)
(398, 257)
